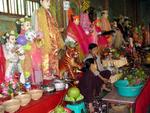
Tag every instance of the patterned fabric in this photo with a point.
(85, 22)
(77, 33)
(85, 5)
(69, 62)
(52, 42)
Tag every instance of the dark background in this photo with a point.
(137, 10)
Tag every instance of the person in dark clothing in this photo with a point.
(102, 73)
(89, 84)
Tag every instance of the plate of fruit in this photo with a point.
(73, 96)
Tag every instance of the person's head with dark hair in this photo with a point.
(93, 49)
(89, 65)
(23, 24)
(11, 37)
(92, 46)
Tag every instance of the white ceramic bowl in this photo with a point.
(24, 99)
(36, 94)
(1, 109)
(12, 105)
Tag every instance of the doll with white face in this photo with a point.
(26, 29)
(31, 64)
(26, 25)
(13, 54)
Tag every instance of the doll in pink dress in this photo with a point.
(32, 61)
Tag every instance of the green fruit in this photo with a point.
(59, 109)
(81, 97)
(66, 98)
(70, 99)
(73, 92)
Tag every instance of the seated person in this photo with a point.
(101, 72)
(89, 83)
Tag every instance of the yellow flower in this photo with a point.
(22, 19)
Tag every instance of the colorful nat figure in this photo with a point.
(75, 33)
(69, 62)
(14, 54)
(29, 40)
(105, 25)
(44, 22)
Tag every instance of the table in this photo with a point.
(114, 97)
(45, 104)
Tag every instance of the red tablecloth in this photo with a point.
(45, 104)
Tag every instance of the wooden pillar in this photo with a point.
(106, 4)
(137, 16)
(125, 8)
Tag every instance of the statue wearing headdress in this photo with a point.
(29, 40)
(14, 54)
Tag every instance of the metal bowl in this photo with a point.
(59, 84)
(48, 89)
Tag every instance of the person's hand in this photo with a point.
(91, 108)
(13, 50)
(61, 29)
(76, 82)
(105, 80)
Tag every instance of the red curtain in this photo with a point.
(2, 65)
(143, 100)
